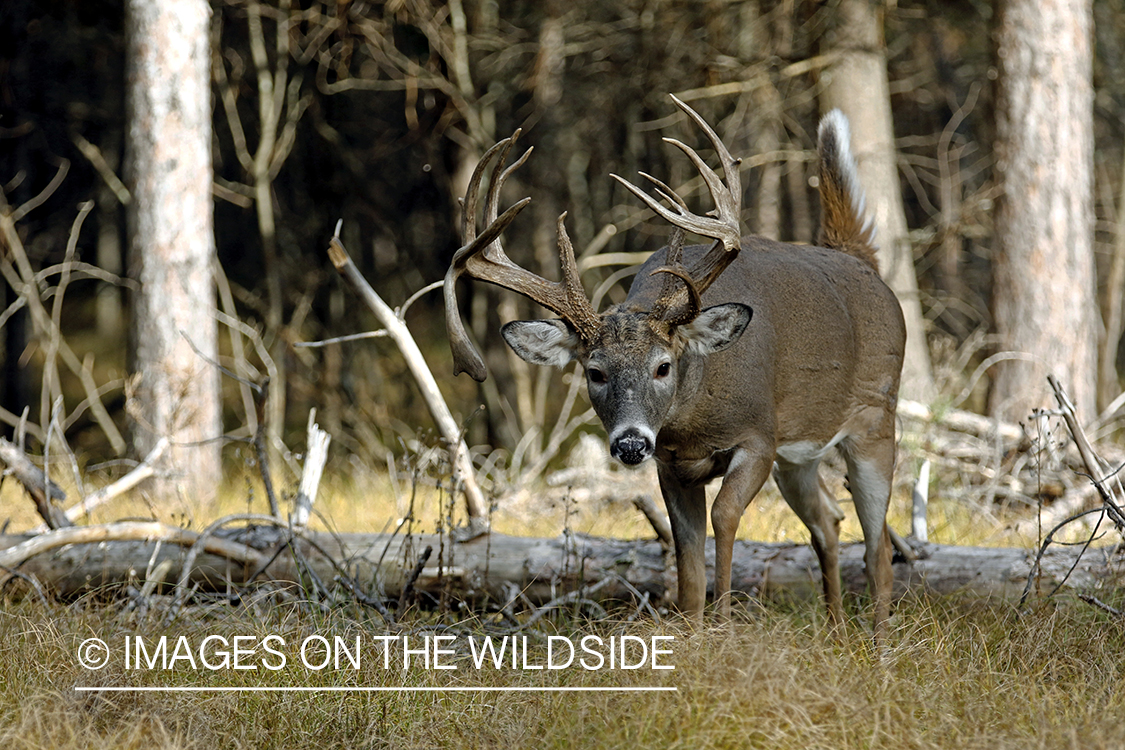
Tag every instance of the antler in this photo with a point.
(483, 257)
(723, 224)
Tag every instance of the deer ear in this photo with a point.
(716, 328)
(541, 342)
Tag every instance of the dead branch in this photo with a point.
(919, 500)
(659, 521)
(408, 587)
(261, 399)
(16, 555)
(36, 483)
(316, 455)
(463, 471)
(94, 155)
(1096, 469)
(1094, 464)
(962, 421)
(136, 475)
(89, 558)
(21, 278)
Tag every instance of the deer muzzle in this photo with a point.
(632, 446)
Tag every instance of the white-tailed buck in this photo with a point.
(726, 360)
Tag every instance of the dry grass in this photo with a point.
(957, 675)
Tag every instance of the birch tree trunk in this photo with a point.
(171, 242)
(1043, 293)
(857, 84)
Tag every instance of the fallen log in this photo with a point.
(542, 568)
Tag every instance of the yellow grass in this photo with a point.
(956, 675)
(374, 503)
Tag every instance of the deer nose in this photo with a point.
(631, 447)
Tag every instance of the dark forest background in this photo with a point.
(388, 105)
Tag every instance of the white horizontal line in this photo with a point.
(365, 689)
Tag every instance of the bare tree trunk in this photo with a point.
(857, 84)
(171, 243)
(1113, 312)
(1043, 270)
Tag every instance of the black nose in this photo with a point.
(631, 447)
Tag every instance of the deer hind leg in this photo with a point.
(870, 469)
(687, 512)
(802, 488)
(746, 474)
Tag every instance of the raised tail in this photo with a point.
(844, 226)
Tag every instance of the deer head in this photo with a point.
(638, 358)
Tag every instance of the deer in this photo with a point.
(737, 359)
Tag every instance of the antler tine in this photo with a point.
(723, 225)
(472, 194)
(499, 176)
(483, 258)
(465, 356)
(727, 196)
(730, 164)
(668, 193)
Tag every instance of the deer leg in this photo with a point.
(870, 468)
(801, 487)
(746, 474)
(687, 512)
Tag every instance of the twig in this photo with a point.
(1036, 566)
(401, 311)
(366, 599)
(1101, 605)
(238, 352)
(381, 333)
(201, 540)
(1094, 465)
(408, 588)
(23, 282)
(260, 400)
(138, 474)
(94, 155)
(12, 574)
(564, 599)
(47, 192)
(659, 521)
(642, 599)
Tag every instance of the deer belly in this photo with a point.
(803, 452)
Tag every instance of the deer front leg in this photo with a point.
(687, 512)
(748, 470)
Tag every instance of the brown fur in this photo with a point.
(843, 225)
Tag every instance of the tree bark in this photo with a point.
(171, 242)
(491, 565)
(1044, 292)
(857, 84)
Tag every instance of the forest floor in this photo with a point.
(955, 672)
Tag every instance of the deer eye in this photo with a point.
(663, 369)
(596, 376)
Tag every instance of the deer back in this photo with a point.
(825, 342)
